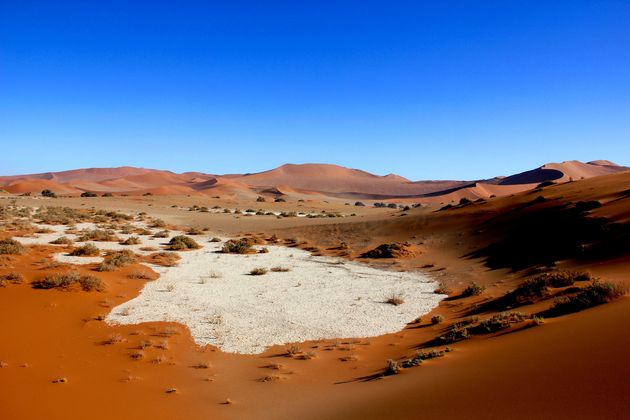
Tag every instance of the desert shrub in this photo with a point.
(15, 278)
(263, 250)
(11, 246)
(436, 319)
(280, 269)
(164, 258)
(86, 250)
(91, 283)
(395, 300)
(69, 279)
(57, 281)
(162, 234)
(238, 246)
(194, 231)
(279, 200)
(499, 321)
(259, 271)
(62, 240)
(48, 193)
(473, 289)
(421, 356)
(584, 206)
(454, 334)
(359, 204)
(140, 274)
(146, 194)
(392, 367)
(595, 294)
(88, 194)
(182, 242)
(392, 206)
(98, 235)
(158, 223)
(261, 199)
(204, 209)
(117, 259)
(538, 287)
(107, 195)
(215, 239)
(132, 240)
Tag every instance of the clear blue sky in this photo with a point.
(428, 90)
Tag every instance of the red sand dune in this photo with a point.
(299, 181)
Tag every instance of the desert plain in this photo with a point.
(315, 291)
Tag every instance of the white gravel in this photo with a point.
(222, 305)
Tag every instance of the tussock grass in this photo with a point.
(182, 242)
(68, 280)
(85, 251)
(11, 247)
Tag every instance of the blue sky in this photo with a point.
(428, 90)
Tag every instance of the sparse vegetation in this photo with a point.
(14, 278)
(395, 300)
(280, 269)
(259, 271)
(98, 235)
(164, 258)
(132, 240)
(238, 246)
(473, 289)
(117, 259)
(48, 193)
(87, 250)
(392, 367)
(62, 240)
(69, 279)
(436, 319)
(182, 242)
(595, 294)
(88, 194)
(11, 247)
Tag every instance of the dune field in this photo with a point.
(313, 306)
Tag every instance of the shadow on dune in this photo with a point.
(541, 232)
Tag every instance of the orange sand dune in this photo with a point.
(300, 181)
(37, 185)
(334, 179)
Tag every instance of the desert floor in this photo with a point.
(570, 366)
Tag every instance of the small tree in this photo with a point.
(48, 193)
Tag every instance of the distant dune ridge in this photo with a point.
(304, 181)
